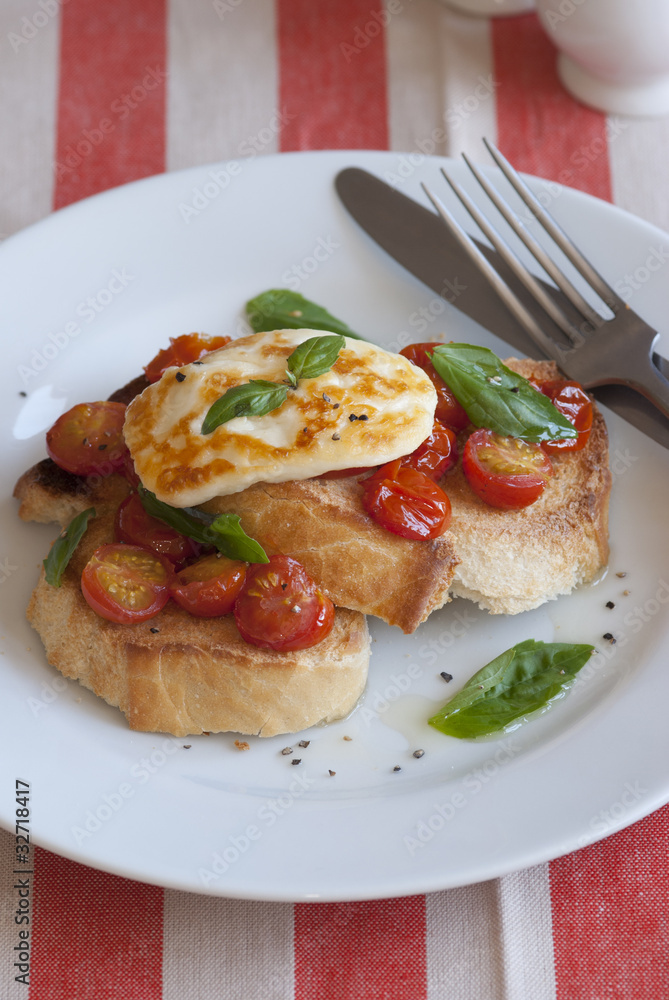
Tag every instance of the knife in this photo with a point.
(417, 239)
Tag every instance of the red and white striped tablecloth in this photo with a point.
(97, 94)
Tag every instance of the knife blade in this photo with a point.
(416, 238)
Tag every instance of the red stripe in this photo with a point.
(541, 129)
(332, 74)
(111, 102)
(94, 935)
(360, 951)
(611, 915)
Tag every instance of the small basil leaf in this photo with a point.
(315, 356)
(291, 378)
(252, 399)
(224, 531)
(63, 548)
(281, 309)
(495, 397)
(517, 682)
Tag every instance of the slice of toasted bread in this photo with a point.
(183, 675)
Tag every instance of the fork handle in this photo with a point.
(647, 380)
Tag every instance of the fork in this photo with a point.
(597, 351)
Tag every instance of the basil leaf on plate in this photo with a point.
(315, 356)
(252, 399)
(281, 309)
(223, 531)
(63, 548)
(517, 682)
(495, 397)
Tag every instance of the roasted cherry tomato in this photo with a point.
(88, 439)
(436, 455)
(209, 587)
(449, 411)
(279, 606)
(135, 526)
(572, 401)
(406, 502)
(504, 471)
(182, 351)
(126, 583)
(129, 471)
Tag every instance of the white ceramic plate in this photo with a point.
(132, 267)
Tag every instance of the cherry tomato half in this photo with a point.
(126, 583)
(182, 351)
(504, 471)
(436, 455)
(572, 401)
(209, 587)
(134, 526)
(449, 411)
(406, 502)
(279, 606)
(88, 439)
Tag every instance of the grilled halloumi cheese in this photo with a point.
(370, 408)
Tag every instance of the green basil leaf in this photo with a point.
(224, 531)
(63, 548)
(252, 399)
(517, 682)
(495, 397)
(315, 356)
(281, 309)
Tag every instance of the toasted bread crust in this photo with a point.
(196, 675)
(513, 561)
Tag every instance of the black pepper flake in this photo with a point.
(336, 437)
(326, 398)
(286, 751)
(610, 637)
(85, 441)
(305, 430)
(180, 377)
(363, 416)
(154, 629)
(198, 362)
(610, 604)
(419, 753)
(514, 388)
(335, 406)
(101, 447)
(331, 773)
(446, 677)
(397, 768)
(283, 586)
(352, 417)
(22, 393)
(304, 743)
(187, 746)
(296, 760)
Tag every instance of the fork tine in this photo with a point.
(521, 272)
(570, 250)
(538, 252)
(512, 302)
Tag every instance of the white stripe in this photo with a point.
(441, 90)
(638, 158)
(464, 957)
(527, 935)
(222, 84)
(9, 931)
(226, 948)
(28, 89)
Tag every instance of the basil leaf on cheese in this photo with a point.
(495, 397)
(519, 681)
(252, 399)
(223, 531)
(281, 309)
(315, 356)
(63, 548)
